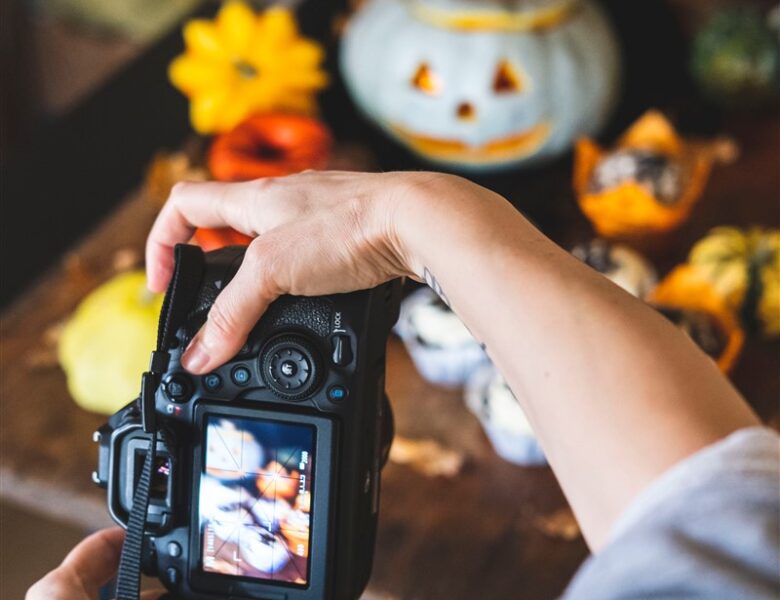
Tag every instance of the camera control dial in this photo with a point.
(290, 367)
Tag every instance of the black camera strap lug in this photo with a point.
(179, 299)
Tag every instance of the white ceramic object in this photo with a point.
(483, 84)
(442, 348)
(504, 422)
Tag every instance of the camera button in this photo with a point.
(178, 388)
(174, 549)
(337, 393)
(342, 350)
(212, 382)
(240, 375)
(173, 575)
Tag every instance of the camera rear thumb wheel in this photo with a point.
(291, 367)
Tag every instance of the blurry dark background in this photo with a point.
(83, 112)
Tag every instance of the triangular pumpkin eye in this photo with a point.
(425, 80)
(506, 79)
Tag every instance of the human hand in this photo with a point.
(315, 233)
(87, 568)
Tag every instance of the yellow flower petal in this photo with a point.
(236, 24)
(304, 53)
(205, 109)
(304, 79)
(192, 75)
(202, 39)
(274, 29)
(278, 24)
(233, 112)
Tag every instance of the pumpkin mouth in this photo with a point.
(518, 145)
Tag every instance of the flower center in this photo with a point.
(244, 69)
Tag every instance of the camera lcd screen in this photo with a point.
(255, 499)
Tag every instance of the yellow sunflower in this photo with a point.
(242, 62)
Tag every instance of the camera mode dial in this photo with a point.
(290, 367)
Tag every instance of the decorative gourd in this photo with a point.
(744, 268)
(105, 346)
(269, 145)
(648, 184)
(482, 85)
(213, 239)
(735, 58)
(242, 62)
(686, 296)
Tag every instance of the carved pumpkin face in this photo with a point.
(481, 89)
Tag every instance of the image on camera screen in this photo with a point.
(255, 499)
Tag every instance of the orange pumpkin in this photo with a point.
(686, 289)
(269, 145)
(276, 480)
(629, 208)
(214, 239)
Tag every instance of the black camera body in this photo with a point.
(266, 479)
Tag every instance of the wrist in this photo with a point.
(416, 210)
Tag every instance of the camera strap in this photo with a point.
(179, 299)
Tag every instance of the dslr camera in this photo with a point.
(263, 477)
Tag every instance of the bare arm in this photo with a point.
(615, 393)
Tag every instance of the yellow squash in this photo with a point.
(105, 346)
(242, 63)
(743, 266)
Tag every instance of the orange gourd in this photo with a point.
(269, 145)
(629, 209)
(213, 239)
(686, 289)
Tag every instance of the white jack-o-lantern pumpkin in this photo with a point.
(482, 84)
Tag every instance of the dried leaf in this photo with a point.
(724, 149)
(44, 354)
(427, 457)
(41, 358)
(52, 334)
(126, 259)
(561, 524)
(168, 169)
(77, 271)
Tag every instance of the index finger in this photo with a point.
(192, 205)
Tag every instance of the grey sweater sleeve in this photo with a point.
(707, 528)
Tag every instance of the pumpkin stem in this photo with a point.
(246, 70)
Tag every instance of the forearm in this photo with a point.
(615, 393)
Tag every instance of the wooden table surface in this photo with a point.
(479, 533)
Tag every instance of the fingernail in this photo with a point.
(195, 357)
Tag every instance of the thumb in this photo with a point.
(235, 311)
